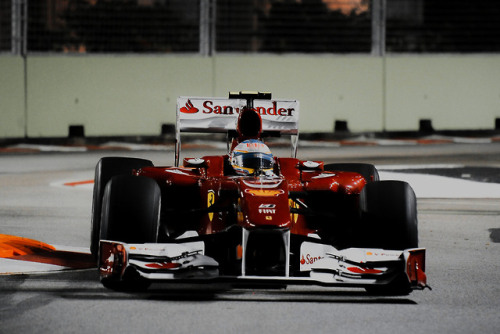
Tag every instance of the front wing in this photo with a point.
(320, 264)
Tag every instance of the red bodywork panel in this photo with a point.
(264, 203)
(261, 202)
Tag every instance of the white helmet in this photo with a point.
(251, 157)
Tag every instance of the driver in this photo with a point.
(252, 157)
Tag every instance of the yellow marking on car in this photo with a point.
(264, 192)
(210, 202)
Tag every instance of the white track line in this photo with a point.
(434, 186)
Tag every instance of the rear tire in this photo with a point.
(368, 171)
(105, 169)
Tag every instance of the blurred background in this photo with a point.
(116, 67)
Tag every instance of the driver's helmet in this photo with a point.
(251, 157)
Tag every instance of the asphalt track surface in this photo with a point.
(459, 215)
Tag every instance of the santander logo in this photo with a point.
(189, 108)
(208, 107)
(309, 259)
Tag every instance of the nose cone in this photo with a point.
(264, 204)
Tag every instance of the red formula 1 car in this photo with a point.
(248, 218)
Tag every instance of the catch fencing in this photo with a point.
(207, 27)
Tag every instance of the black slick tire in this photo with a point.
(389, 221)
(130, 213)
(131, 210)
(105, 169)
(389, 215)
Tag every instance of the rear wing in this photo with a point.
(220, 115)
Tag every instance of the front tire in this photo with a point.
(389, 221)
(105, 169)
(131, 214)
(131, 210)
(389, 215)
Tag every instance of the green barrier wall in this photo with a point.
(12, 93)
(455, 92)
(135, 95)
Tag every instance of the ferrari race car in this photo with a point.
(249, 218)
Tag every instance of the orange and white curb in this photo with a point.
(22, 255)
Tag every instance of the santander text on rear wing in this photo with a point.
(217, 114)
(209, 114)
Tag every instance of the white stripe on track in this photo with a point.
(434, 186)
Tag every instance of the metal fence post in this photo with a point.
(378, 49)
(16, 31)
(378, 27)
(207, 27)
(19, 27)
